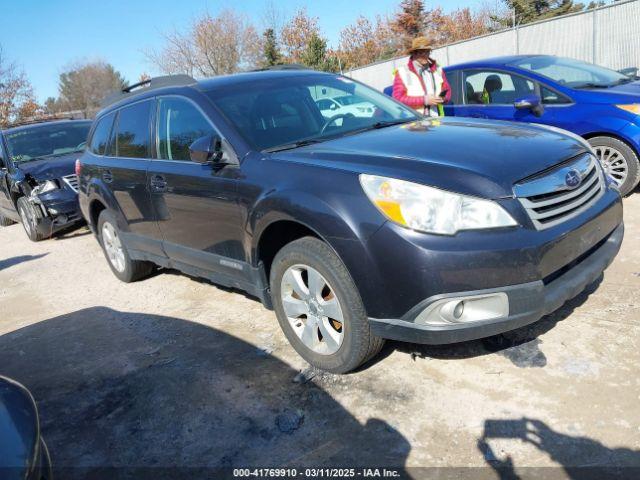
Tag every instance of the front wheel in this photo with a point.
(619, 161)
(319, 308)
(30, 216)
(120, 262)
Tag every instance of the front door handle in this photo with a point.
(158, 183)
(107, 176)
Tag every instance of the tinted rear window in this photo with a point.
(132, 131)
(100, 138)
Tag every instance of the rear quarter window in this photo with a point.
(131, 132)
(100, 137)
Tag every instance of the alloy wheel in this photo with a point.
(313, 309)
(113, 247)
(613, 162)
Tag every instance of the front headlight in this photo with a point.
(45, 187)
(430, 209)
(631, 107)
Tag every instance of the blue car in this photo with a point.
(599, 104)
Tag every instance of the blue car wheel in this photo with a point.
(619, 161)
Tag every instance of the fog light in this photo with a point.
(472, 308)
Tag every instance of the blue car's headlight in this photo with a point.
(631, 107)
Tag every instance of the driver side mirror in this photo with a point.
(530, 102)
(206, 149)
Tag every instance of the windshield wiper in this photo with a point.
(594, 85)
(378, 125)
(388, 123)
(624, 81)
(289, 146)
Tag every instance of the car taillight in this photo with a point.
(78, 167)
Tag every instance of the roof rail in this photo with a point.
(51, 117)
(152, 83)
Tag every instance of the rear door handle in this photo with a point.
(158, 183)
(107, 176)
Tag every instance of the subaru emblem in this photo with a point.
(572, 179)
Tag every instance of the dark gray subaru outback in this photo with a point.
(356, 226)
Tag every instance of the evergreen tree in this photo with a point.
(271, 53)
(527, 11)
(315, 55)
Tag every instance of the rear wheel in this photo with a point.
(319, 308)
(118, 258)
(30, 217)
(619, 161)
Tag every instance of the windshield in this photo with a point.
(43, 141)
(285, 112)
(573, 73)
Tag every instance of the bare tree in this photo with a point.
(17, 100)
(297, 34)
(217, 45)
(364, 42)
(83, 86)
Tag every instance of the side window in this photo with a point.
(549, 97)
(495, 88)
(132, 131)
(454, 82)
(180, 123)
(100, 137)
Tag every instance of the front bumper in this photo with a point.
(528, 302)
(60, 210)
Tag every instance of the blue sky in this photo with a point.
(43, 36)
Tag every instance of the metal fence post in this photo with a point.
(594, 37)
(517, 41)
(448, 60)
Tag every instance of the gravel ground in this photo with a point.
(173, 371)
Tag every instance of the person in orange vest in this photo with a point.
(421, 84)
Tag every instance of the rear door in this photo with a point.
(6, 206)
(125, 173)
(195, 204)
(492, 93)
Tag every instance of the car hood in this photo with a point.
(476, 157)
(50, 168)
(626, 93)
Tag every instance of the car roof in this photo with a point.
(239, 78)
(30, 126)
(492, 62)
(213, 83)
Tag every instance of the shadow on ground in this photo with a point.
(119, 389)
(521, 346)
(10, 262)
(579, 457)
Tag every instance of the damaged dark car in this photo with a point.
(38, 184)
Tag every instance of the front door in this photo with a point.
(195, 205)
(491, 94)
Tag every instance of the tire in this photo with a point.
(30, 217)
(619, 160)
(5, 222)
(121, 264)
(357, 344)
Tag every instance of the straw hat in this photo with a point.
(420, 43)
